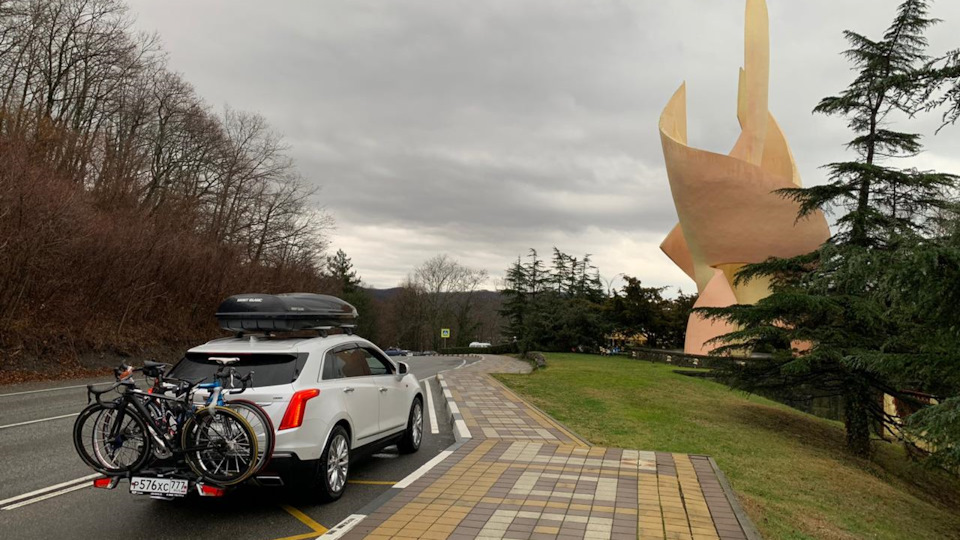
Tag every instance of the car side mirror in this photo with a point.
(403, 368)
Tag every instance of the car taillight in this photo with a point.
(298, 403)
(104, 483)
(210, 491)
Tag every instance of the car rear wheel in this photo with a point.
(413, 436)
(334, 466)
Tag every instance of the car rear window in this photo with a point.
(268, 369)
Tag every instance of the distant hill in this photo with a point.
(382, 295)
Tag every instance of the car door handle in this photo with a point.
(382, 389)
(348, 390)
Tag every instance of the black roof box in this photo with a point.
(284, 312)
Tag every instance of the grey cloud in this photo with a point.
(482, 128)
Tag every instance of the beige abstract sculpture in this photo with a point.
(728, 214)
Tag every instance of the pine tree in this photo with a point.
(516, 305)
(830, 322)
(340, 268)
(944, 77)
(561, 270)
(552, 308)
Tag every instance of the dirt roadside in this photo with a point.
(19, 368)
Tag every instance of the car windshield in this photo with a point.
(268, 369)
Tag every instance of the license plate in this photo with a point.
(163, 486)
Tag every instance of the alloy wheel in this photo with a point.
(417, 423)
(338, 462)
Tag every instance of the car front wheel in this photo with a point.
(412, 437)
(334, 465)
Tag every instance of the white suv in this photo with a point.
(330, 399)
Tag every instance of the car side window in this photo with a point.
(377, 364)
(348, 361)
(354, 363)
(332, 367)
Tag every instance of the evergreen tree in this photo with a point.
(676, 313)
(561, 271)
(340, 268)
(639, 310)
(514, 308)
(636, 309)
(831, 322)
(554, 308)
(944, 75)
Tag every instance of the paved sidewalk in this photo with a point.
(519, 474)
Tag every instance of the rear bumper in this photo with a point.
(285, 465)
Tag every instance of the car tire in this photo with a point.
(413, 436)
(333, 467)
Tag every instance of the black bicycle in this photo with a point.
(119, 437)
(225, 380)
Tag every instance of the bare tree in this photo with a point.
(123, 199)
(449, 288)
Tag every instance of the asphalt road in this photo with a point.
(35, 455)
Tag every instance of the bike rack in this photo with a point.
(194, 482)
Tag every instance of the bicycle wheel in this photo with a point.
(220, 446)
(111, 443)
(262, 426)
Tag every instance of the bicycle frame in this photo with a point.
(127, 399)
(179, 427)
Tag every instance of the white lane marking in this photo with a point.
(343, 527)
(424, 469)
(462, 363)
(40, 420)
(48, 488)
(48, 389)
(432, 412)
(47, 496)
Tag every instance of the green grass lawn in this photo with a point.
(788, 468)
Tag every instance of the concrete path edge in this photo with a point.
(748, 527)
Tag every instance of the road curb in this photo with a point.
(460, 430)
(748, 527)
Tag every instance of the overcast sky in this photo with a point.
(483, 128)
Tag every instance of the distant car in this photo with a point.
(429, 353)
(393, 351)
(479, 345)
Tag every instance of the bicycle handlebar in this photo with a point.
(97, 393)
(232, 375)
(184, 388)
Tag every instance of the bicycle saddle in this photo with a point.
(225, 360)
(153, 369)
